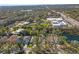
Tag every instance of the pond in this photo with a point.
(71, 37)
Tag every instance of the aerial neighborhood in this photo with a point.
(39, 29)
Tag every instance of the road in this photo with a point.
(68, 19)
(72, 21)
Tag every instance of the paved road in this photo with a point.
(68, 19)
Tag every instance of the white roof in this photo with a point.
(63, 23)
(55, 22)
(23, 23)
(26, 23)
(20, 24)
(19, 30)
(59, 24)
(26, 10)
(59, 19)
(53, 19)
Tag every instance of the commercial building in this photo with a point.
(57, 22)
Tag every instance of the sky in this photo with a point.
(37, 2)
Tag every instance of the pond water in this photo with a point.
(71, 37)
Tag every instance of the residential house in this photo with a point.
(27, 39)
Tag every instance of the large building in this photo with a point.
(57, 22)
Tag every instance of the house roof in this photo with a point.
(53, 19)
(27, 37)
(12, 38)
(19, 30)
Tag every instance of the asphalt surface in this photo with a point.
(72, 21)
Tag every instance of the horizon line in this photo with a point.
(32, 4)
